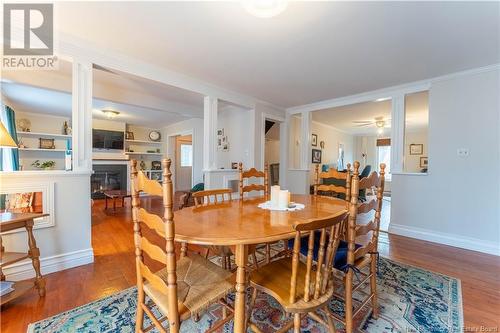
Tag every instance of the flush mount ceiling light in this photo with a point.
(265, 8)
(110, 114)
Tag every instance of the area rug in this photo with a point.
(411, 300)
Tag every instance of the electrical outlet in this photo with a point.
(463, 152)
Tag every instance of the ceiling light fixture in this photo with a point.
(110, 114)
(265, 8)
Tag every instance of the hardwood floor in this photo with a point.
(114, 270)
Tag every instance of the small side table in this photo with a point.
(12, 221)
(115, 194)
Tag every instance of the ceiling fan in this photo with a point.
(379, 122)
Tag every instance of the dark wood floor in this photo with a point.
(114, 270)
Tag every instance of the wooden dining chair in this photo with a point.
(182, 288)
(352, 256)
(320, 178)
(300, 289)
(250, 174)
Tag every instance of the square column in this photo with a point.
(210, 108)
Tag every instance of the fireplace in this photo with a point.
(107, 177)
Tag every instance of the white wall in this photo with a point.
(458, 202)
(332, 137)
(235, 122)
(192, 126)
(67, 243)
(412, 162)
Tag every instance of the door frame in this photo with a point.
(173, 156)
(283, 144)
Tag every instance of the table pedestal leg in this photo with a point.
(34, 253)
(241, 258)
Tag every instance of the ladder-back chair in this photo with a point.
(321, 187)
(253, 173)
(213, 198)
(360, 255)
(297, 286)
(182, 288)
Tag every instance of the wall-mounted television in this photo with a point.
(103, 139)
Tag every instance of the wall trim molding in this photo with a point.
(463, 242)
(24, 269)
(406, 88)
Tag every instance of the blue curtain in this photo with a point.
(10, 125)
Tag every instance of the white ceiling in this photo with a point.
(313, 51)
(343, 118)
(139, 101)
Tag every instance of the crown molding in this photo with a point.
(406, 88)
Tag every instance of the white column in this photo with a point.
(398, 132)
(305, 140)
(82, 115)
(210, 133)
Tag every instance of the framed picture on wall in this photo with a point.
(416, 149)
(424, 161)
(314, 140)
(316, 156)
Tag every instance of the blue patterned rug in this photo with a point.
(411, 300)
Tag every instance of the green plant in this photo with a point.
(43, 165)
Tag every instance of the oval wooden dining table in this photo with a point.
(240, 223)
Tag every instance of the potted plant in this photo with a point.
(47, 165)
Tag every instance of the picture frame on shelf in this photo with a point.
(220, 132)
(424, 162)
(316, 156)
(234, 165)
(155, 165)
(416, 149)
(314, 140)
(47, 143)
(129, 135)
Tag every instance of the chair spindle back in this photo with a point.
(330, 228)
(208, 197)
(332, 173)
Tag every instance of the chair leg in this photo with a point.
(296, 323)
(268, 253)
(373, 286)
(207, 253)
(140, 311)
(251, 305)
(255, 262)
(348, 302)
(331, 325)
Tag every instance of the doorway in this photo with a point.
(272, 150)
(183, 162)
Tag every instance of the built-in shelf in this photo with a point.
(40, 149)
(51, 135)
(144, 142)
(141, 153)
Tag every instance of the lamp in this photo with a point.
(6, 140)
(265, 8)
(110, 114)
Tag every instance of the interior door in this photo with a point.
(183, 163)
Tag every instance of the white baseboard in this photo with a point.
(467, 243)
(24, 269)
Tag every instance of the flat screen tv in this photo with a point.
(103, 139)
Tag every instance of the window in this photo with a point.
(186, 155)
(384, 156)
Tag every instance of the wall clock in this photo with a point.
(154, 136)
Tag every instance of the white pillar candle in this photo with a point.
(275, 195)
(284, 199)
